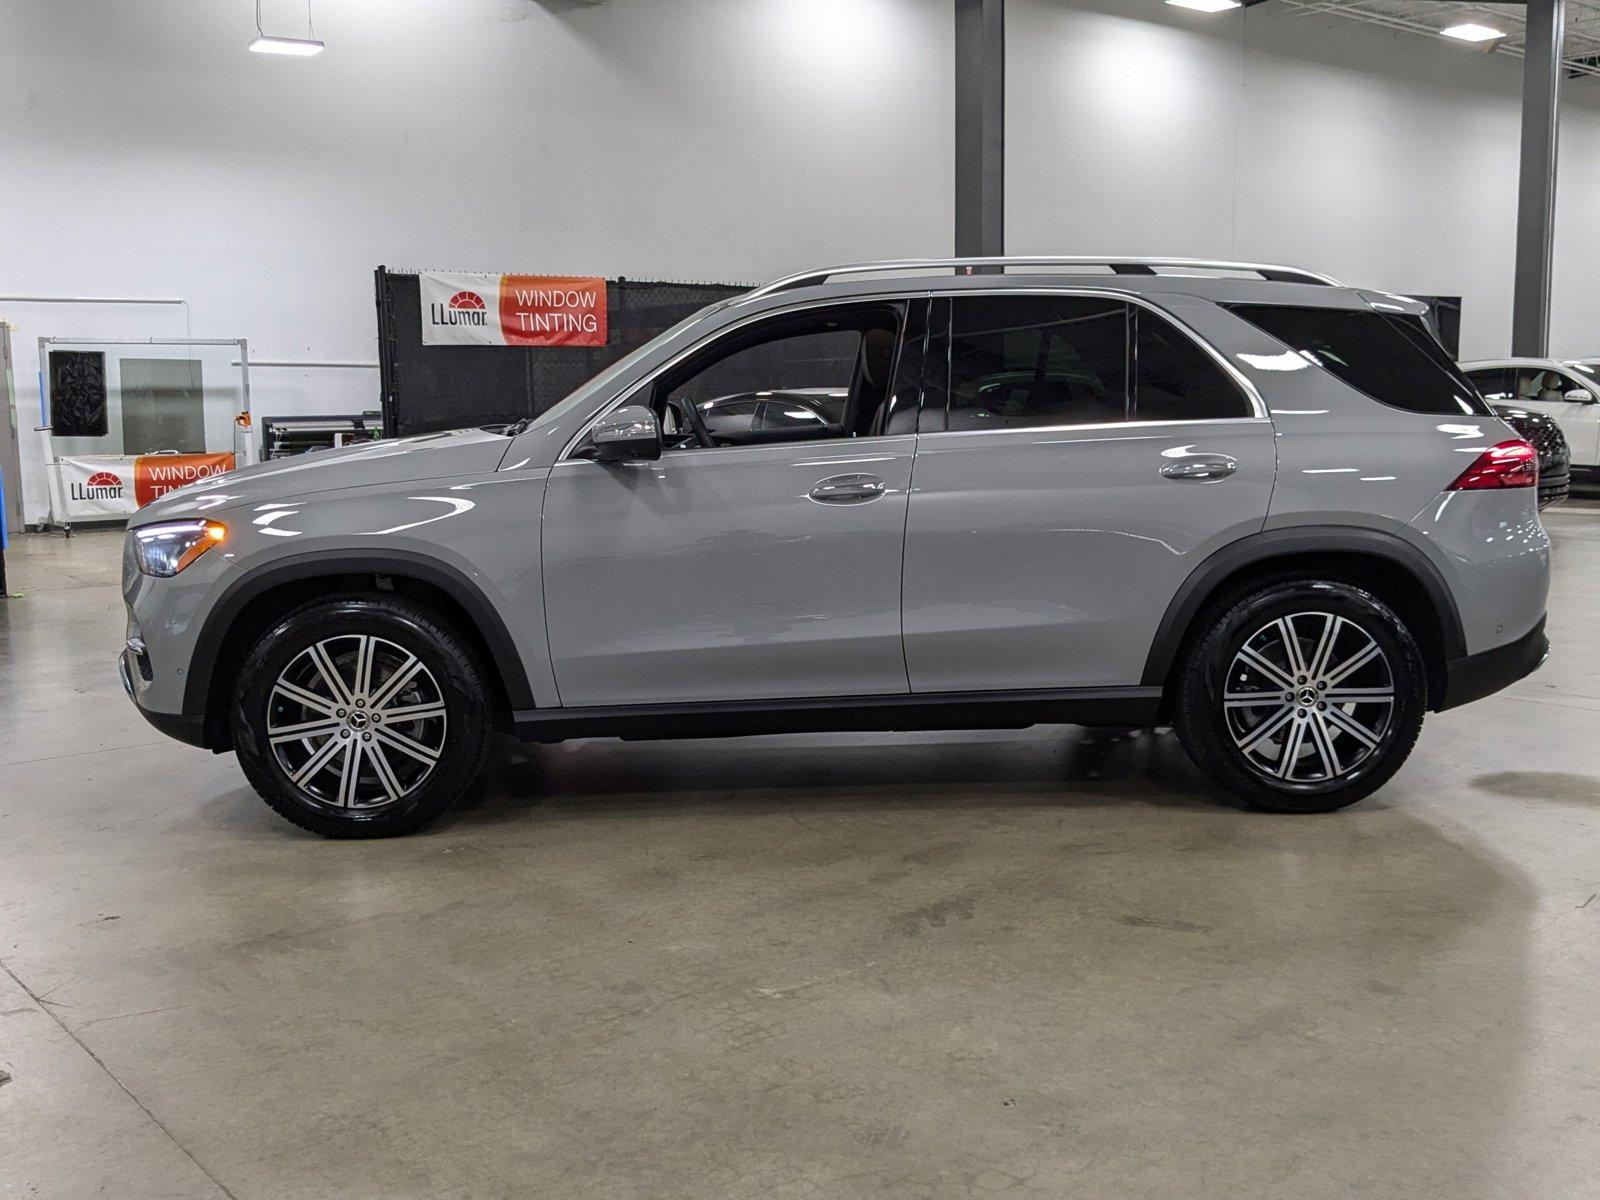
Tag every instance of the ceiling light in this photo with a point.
(1206, 6)
(304, 47)
(1470, 32)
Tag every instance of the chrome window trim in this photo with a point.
(1252, 396)
(876, 453)
(1098, 426)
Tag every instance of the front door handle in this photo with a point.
(1203, 466)
(848, 489)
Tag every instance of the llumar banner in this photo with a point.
(512, 310)
(114, 485)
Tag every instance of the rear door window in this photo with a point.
(1025, 361)
(1175, 380)
(1494, 384)
(1392, 358)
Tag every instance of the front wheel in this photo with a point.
(1304, 696)
(363, 716)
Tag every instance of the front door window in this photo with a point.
(808, 376)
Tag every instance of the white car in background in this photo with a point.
(1567, 390)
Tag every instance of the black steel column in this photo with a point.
(980, 127)
(1536, 183)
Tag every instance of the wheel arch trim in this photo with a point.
(1204, 582)
(507, 661)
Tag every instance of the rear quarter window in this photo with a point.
(1394, 359)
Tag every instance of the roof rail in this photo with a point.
(1118, 265)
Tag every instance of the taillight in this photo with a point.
(1508, 465)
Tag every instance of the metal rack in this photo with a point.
(284, 437)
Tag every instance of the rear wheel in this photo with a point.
(1304, 696)
(361, 717)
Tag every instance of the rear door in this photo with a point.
(1085, 455)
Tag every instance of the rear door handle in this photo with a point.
(1204, 466)
(848, 489)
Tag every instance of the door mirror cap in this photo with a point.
(629, 434)
(1580, 396)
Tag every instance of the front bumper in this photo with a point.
(1478, 675)
(175, 725)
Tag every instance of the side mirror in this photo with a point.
(629, 434)
(1580, 396)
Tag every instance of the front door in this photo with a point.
(1089, 455)
(759, 558)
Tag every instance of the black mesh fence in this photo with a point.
(430, 388)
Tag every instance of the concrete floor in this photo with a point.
(1019, 964)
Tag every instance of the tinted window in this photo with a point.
(1175, 380)
(901, 413)
(1493, 384)
(1393, 359)
(729, 417)
(801, 411)
(1017, 361)
(812, 374)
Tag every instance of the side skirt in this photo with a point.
(835, 714)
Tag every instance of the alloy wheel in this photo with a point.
(356, 722)
(1309, 698)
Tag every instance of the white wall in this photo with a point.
(143, 151)
(1382, 158)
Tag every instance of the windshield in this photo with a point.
(599, 383)
(1589, 367)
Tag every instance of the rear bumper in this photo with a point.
(175, 725)
(1479, 675)
(1554, 486)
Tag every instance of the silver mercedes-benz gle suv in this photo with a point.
(1241, 499)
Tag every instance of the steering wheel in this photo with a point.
(697, 424)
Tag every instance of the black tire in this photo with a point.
(1232, 752)
(450, 672)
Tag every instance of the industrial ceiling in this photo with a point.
(1582, 47)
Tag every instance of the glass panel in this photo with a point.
(1548, 387)
(1175, 380)
(899, 415)
(1395, 360)
(1493, 384)
(796, 377)
(812, 410)
(1020, 361)
(163, 406)
(729, 416)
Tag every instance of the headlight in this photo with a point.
(165, 550)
